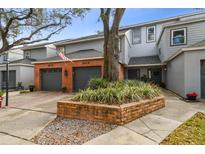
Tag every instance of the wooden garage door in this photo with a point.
(51, 79)
(82, 75)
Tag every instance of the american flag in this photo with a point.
(62, 56)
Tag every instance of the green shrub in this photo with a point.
(24, 91)
(1, 93)
(118, 92)
(96, 83)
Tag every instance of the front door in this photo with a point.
(155, 75)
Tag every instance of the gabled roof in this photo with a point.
(178, 23)
(162, 20)
(146, 60)
(194, 47)
(80, 54)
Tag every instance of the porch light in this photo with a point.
(65, 73)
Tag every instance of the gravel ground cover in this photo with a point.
(70, 131)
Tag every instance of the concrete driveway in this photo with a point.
(154, 127)
(26, 115)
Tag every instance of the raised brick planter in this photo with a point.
(109, 113)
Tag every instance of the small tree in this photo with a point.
(27, 26)
(111, 41)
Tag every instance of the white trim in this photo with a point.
(147, 29)
(59, 61)
(17, 64)
(185, 36)
(143, 65)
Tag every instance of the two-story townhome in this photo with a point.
(21, 69)
(167, 51)
(12, 55)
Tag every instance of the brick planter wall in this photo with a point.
(109, 113)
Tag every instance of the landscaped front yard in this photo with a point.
(191, 132)
(112, 102)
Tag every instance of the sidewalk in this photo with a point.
(154, 127)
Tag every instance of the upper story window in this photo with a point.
(178, 37)
(151, 32)
(136, 36)
(27, 54)
(62, 49)
(5, 57)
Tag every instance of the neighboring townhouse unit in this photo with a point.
(14, 54)
(21, 69)
(167, 52)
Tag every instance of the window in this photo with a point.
(136, 36)
(159, 51)
(134, 74)
(178, 37)
(62, 49)
(151, 34)
(5, 57)
(121, 44)
(27, 54)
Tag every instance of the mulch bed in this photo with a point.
(191, 132)
(63, 131)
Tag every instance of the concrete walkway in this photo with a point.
(154, 127)
(26, 115)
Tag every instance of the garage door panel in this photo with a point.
(203, 79)
(82, 75)
(51, 79)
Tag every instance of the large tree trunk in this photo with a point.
(111, 44)
(113, 57)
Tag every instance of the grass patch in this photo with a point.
(115, 93)
(192, 132)
(24, 91)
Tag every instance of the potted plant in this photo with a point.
(20, 85)
(64, 89)
(1, 98)
(192, 96)
(31, 87)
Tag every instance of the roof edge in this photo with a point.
(61, 61)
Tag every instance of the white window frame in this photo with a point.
(139, 29)
(29, 54)
(185, 36)
(148, 41)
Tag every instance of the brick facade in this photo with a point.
(67, 80)
(120, 115)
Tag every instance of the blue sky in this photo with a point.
(90, 24)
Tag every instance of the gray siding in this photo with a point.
(192, 71)
(96, 44)
(127, 46)
(176, 75)
(195, 33)
(37, 54)
(29, 77)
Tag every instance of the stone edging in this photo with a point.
(114, 114)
